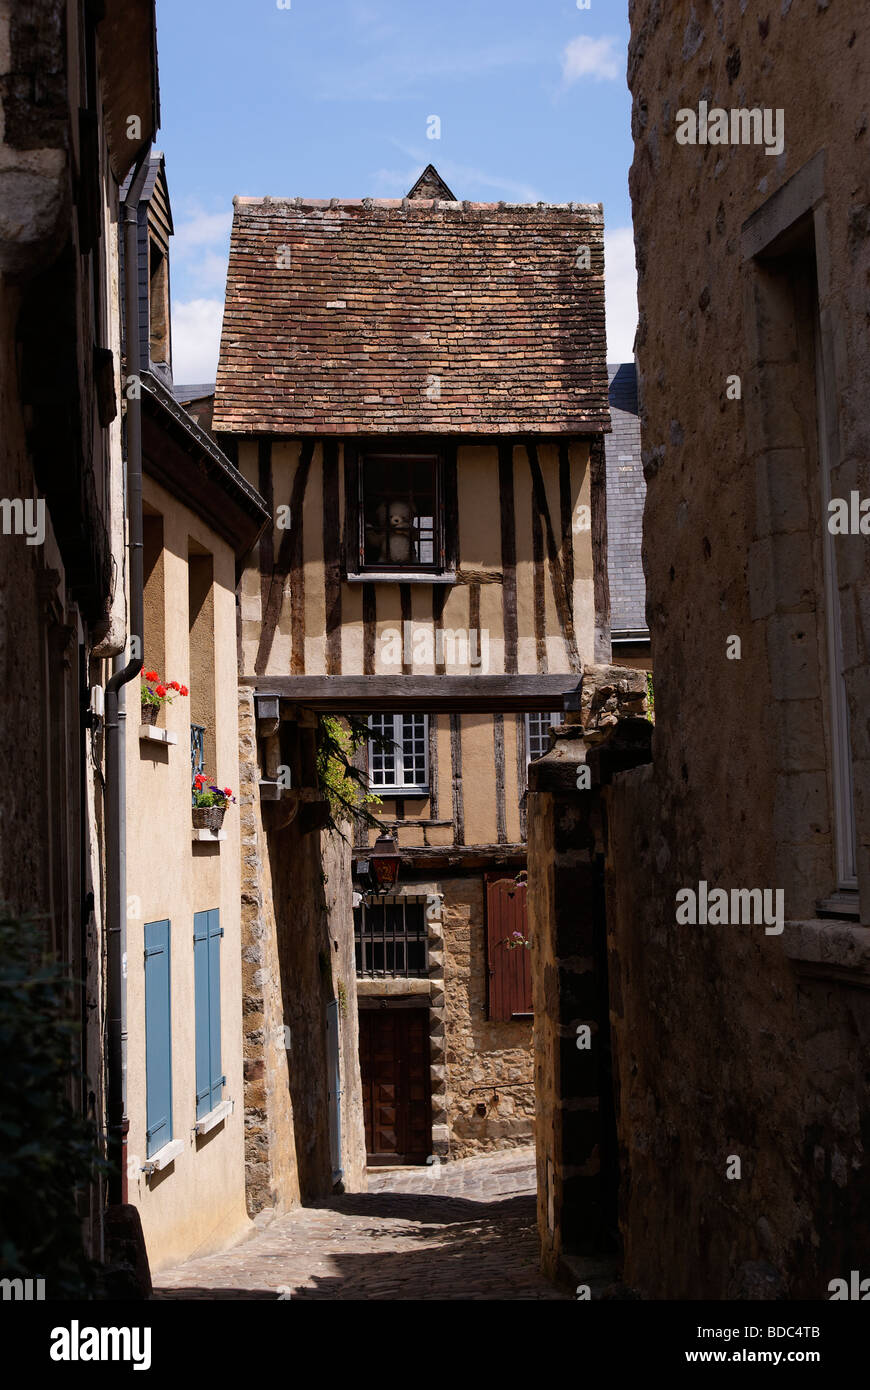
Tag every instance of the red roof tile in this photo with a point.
(399, 316)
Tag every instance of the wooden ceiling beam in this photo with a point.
(428, 694)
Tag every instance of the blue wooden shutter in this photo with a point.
(207, 935)
(158, 1037)
(202, 1011)
(214, 1006)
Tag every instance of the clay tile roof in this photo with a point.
(382, 316)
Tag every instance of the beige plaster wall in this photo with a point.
(198, 1203)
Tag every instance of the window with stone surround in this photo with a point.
(793, 434)
(390, 935)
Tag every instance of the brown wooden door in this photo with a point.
(394, 1062)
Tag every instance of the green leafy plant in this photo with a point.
(205, 793)
(49, 1152)
(650, 699)
(343, 784)
(342, 999)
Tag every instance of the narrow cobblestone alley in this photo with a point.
(462, 1231)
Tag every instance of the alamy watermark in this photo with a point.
(423, 646)
(23, 517)
(23, 1290)
(740, 907)
(849, 517)
(740, 126)
(75, 1343)
(856, 1288)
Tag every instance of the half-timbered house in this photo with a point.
(418, 389)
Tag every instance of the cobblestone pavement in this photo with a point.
(464, 1231)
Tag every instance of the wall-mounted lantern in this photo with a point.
(384, 863)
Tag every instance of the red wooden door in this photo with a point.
(509, 969)
(394, 1062)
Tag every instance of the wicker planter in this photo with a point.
(150, 713)
(208, 817)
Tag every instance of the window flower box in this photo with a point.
(155, 693)
(209, 803)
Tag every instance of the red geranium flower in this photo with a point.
(151, 676)
(183, 690)
(228, 791)
(173, 685)
(160, 690)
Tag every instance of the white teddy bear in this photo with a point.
(391, 533)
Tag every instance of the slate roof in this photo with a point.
(381, 316)
(193, 393)
(626, 492)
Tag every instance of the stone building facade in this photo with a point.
(69, 79)
(737, 1037)
(366, 343)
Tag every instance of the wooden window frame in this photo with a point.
(393, 789)
(556, 718)
(443, 570)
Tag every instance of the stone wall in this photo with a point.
(298, 956)
(489, 1063)
(731, 1043)
(575, 1123)
(272, 1181)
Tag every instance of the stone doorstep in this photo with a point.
(400, 1168)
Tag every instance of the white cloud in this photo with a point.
(595, 58)
(620, 291)
(395, 74)
(196, 336)
(200, 249)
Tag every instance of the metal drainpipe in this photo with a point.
(116, 806)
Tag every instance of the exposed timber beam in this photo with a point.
(455, 694)
(460, 857)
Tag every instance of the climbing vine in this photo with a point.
(344, 785)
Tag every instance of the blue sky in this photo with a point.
(334, 98)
